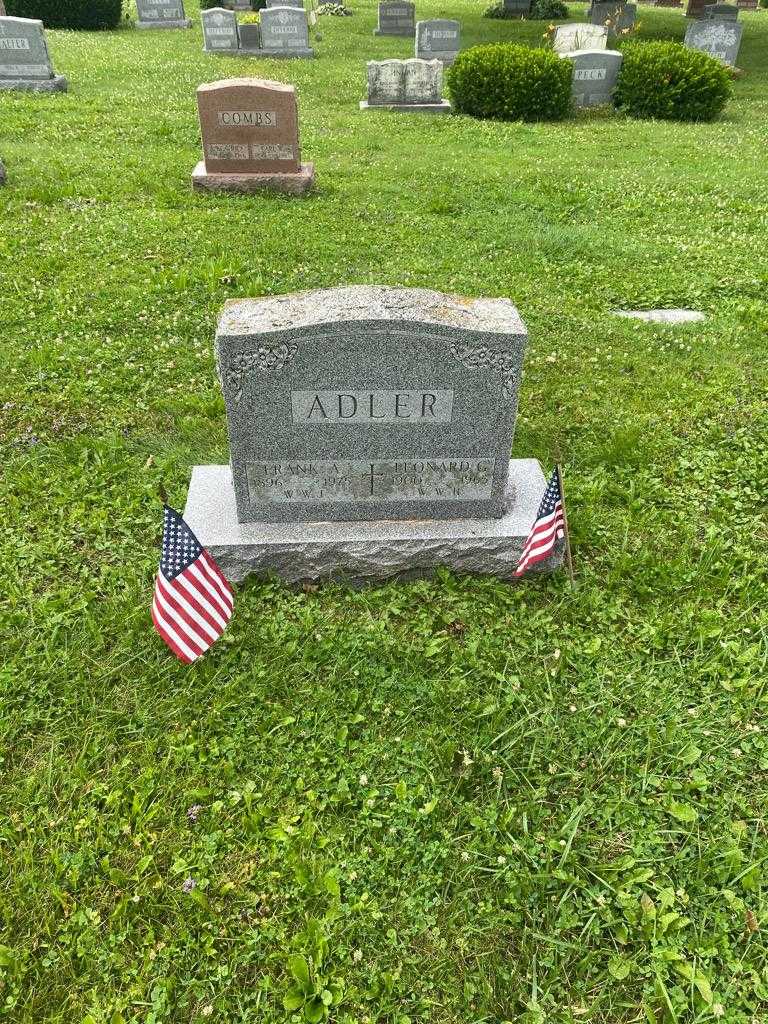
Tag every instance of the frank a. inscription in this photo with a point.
(359, 480)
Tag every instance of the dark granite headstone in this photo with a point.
(396, 18)
(719, 39)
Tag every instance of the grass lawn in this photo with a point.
(461, 802)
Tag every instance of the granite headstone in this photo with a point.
(721, 12)
(719, 39)
(695, 8)
(396, 18)
(595, 73)
(286, 3)
(370, 431)
(24, 60)
(414, 86)
(220, 32)
(161, 14)
(285, 32)
(618, 18)
(579, 36)
(438, 39)
(518, 8)
(250, 135)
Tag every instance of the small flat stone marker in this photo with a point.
(412, 86)
(25, 64)
(580, 36)
(250, 133)
(663, 316)
(370, 430)
(161, 14)
(595, 73)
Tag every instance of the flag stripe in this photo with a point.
(203, 603)
(545, 547)
(538, 534)
(176, 618)
(214, 567)
(547, 528)
(215, 578)
(186, 610)
(171, 637)
(210, 592)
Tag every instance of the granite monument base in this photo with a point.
(364, 552)
(56, 84)
(275, 181)
(443, 107)
(406, 33)
(181, 23)
(256, 51)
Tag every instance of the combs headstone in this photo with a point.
(24, 60)
(161, 14)
(370, 431)
(250, 134)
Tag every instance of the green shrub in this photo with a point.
(88, 14)
(548, 10)
(498, 10)
(509, 82)
(667, 80)
(337, 10)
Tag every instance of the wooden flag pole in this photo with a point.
(568, 557)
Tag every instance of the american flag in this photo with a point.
(548, 526)
(193, 602)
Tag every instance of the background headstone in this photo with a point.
(622, 16)
(438, 39)
(521, 8)
(695, 8)
(286, 3)
(220, 32)
(24, 60)
(3, 11)
(580, 36)
(721, 12)
(746, 5)
(396, 18)
(720, 39)
(250, 127)
(413, 85)
(595, 73)
(161, 14)
(285, 31)
(369, 403)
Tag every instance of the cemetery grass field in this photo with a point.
(460, 802)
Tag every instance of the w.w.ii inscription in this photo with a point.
(370, 403)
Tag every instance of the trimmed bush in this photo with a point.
(508, 82)
(548, 10)
(84, 14)
(669, 81)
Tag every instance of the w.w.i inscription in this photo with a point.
(370, 403)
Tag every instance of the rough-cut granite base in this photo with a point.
(289, 184)
(364, 552)
(183, 23)
(443, 107)
(56, 84)
(663, 316)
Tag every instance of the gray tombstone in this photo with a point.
(721, 12)
(438, 39)
(396, 18)
(595, 73)
(414, 86)
(617, 17)
(720, 39)
(285, 32)
(370, 431)
(520, 8)
(220, 33)
(161, 14)
(580, 36)
(24, 60)
(286, 3)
